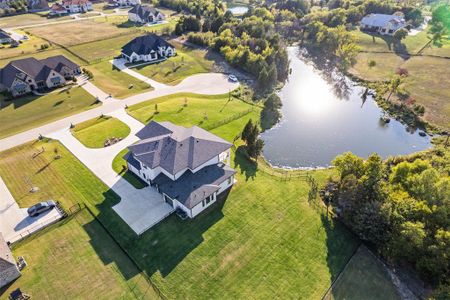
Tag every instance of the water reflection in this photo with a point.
(325, 114)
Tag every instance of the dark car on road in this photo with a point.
(40, 208)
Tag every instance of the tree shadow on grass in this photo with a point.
(247, 166)
(159, 249)
(341, 245)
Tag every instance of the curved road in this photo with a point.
(209, 83)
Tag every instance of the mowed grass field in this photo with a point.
(28, 19)
(187, 62)
(30, 111)
(32, 45)
(77, 259)
(362, 274)
(75, 33)
(118, 84)
(95, 132)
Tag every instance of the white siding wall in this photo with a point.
(199, 207)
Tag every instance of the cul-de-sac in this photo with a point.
(235, 149)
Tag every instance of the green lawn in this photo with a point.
(119, 84)
(201, 110)
(77, 259)
(363, 273)
(95, 132)
(187, 62)
(32, 45)
(31, 111)
(118, 166)
(28, 19)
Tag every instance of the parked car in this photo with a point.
(232, 78)
(40, 208)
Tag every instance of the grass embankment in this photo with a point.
(31, 111)
(77, 259)
(187, 62)
(363, 278)
(95, 132)
(428, 79)
(118, 84)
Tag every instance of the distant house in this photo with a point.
(5, 38)
(144, 14)
(70, 7)
(120, 3)
(147, 48)
(382, 24)
(8, 266)
(22, 76)
(189, 167)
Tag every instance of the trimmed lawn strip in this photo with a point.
(95, 132)
(187, 62)
(112, 80)
(364, 273)
(30, 111)
(77, 259)
(28, 19)
(201, 110)
(119, 166)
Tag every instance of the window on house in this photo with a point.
(230, 180)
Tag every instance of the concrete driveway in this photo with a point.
(139, 208)
(15, 223)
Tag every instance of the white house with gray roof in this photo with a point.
(144, 14)
(383, 24)
(147, 48)
(8, 267)
(188, 166)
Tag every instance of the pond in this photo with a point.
(324, 116)
(238, 10)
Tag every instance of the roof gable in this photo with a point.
(143, 45)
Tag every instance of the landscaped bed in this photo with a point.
(30, 111)
(96, 132)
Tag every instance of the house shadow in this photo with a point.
(244, 164)
(18, 102)
(159, 249)
(394, 45)
(341, 244)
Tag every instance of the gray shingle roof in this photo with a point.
(36, 69)
(142, 45)
(143, 11)
(6, 257)
(191, 188)
(175, 148)
(4, 35)
(381, 20)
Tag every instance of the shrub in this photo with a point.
(372, 63)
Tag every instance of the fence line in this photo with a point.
(229, 119)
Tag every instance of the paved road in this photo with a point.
(139, 208)
(210, 83)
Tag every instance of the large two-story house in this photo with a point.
(71, 7)
(188, 166)
(383, 24)
(115, 3)
(147, 48)
(144, 14)
(22, 76)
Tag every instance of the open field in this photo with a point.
(75, 33)
(31, 111)
(187, 62)
(118, 165)
(77, 259)
(201, 110)
(32, 45)
(362, 274)
(94, 133)
(28, 19)
(118, 84)
(386, 64)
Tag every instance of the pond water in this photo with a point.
(238, 10)
(325, 115)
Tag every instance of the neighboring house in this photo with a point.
(383, 24)
(145, 14)
(116, 3)
(70, 7)
(147, 48)
(188, 166)
(8, 266)
(5, 38)
(25, 75)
